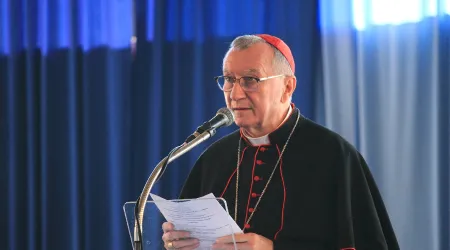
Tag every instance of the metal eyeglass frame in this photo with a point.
(258, 80)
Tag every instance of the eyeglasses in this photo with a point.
(247, 83)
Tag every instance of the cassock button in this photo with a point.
(250, 210)
(259, 162)
(254, 195)
(247, 226)
(262, 149)
(256, 178)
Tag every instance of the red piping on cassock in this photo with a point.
(284, 194)
(231, 177)
(251, 186)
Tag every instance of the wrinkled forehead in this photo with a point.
(246, 71)
(247, 61)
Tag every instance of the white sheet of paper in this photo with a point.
(204, 218)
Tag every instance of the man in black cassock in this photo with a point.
(289, 182)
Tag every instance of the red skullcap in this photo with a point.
(281, 46)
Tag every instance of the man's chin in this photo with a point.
(242, 123)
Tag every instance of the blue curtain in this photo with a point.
(65, 100)
(386, 88)
(93, 94)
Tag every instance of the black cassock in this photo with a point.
(321, 196)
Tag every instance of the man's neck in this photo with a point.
(259, 135)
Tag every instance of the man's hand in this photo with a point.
(174, 239)
(248, 241)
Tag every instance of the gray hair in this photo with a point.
(280, 64)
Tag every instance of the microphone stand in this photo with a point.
(155, 175)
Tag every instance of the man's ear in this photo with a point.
(290, 84)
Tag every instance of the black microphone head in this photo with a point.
(228, 114)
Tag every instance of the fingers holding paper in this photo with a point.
(174, 239)
(248, 241)
(171, 234)
(203, 219)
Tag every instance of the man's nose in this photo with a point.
(237, 92)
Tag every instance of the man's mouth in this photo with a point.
(238, 109)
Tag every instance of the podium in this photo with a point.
(153, 219)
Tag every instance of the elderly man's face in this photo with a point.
(253, 110)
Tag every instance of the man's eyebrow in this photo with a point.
(252, 71)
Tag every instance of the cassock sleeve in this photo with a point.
(363, 222)
(362, 219)
(193, 184)
(299, 245)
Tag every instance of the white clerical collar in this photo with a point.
(264, 140)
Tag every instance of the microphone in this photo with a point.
(224, 117)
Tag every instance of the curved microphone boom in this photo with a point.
(224, 117)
